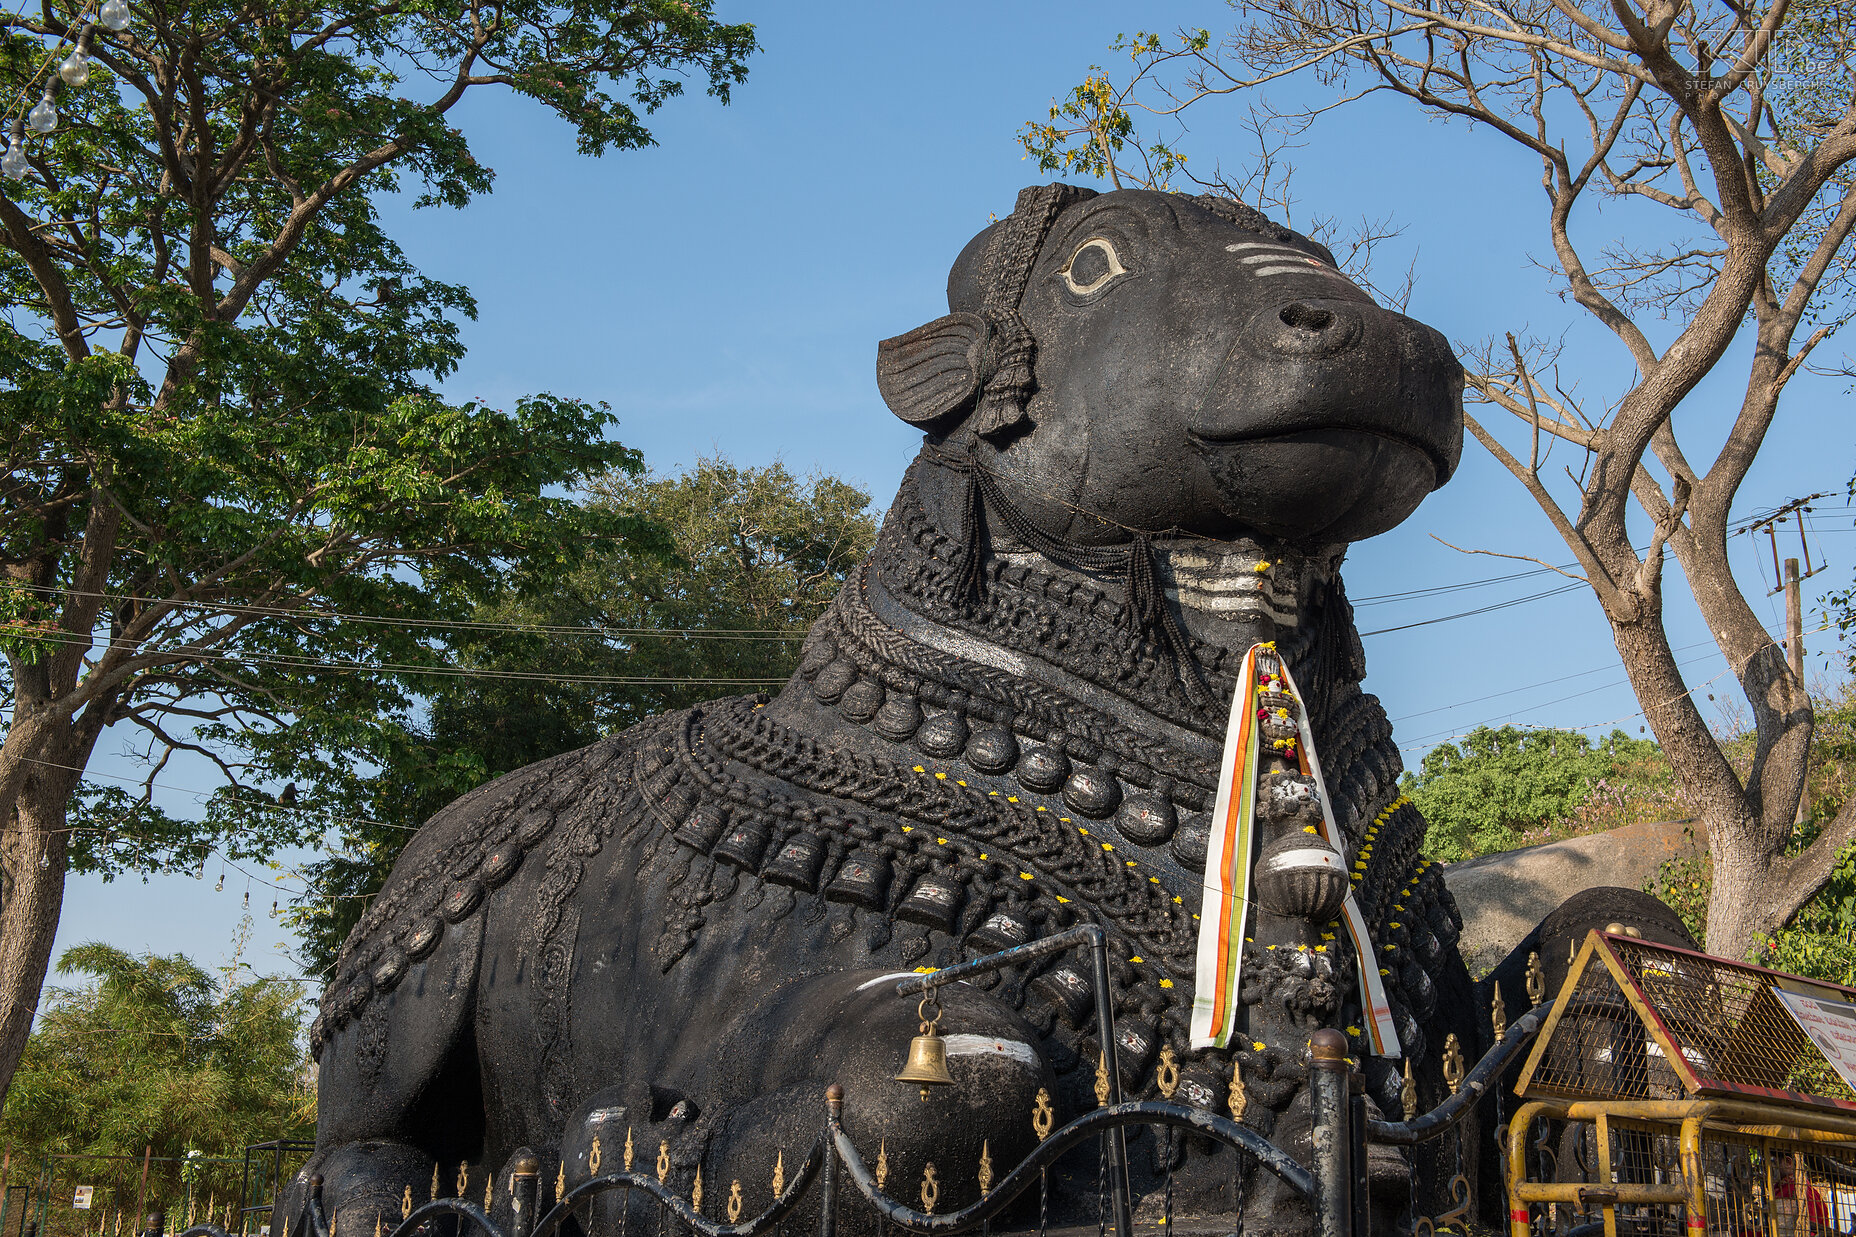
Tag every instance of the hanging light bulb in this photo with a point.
(114, 15)
(76, 67)
(220, 887)
(13, 163)
(44, 117)
(248, 899)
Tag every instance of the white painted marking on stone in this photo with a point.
(884, 979)
(964, 1045)
(1292, 270)
(1305, 857)
(1243, 245)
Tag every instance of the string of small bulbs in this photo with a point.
(73, 71)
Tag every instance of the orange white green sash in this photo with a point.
(1229, 860)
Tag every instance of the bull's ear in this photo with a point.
(930, 376)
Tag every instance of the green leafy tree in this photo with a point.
(155, 1052)
(1496, 789)
(216, 407)
(757, 556)
(1692, 165)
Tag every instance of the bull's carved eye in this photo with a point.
(1092, 267)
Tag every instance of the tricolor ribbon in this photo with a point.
(1229, 860)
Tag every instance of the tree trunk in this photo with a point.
(1754, 890)
(33, 848)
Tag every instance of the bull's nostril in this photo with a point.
(1305, 317)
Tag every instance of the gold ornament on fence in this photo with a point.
(628, 1149)
(1498, 1014)
(560, 1182)
(592, 1158)
(1236, 1098)
(1166, 1077)
(931, 1188)
(406, 1203)
(1536, 979)
(663, 1162)
(1043, 1116)
(985, 1168)
(696, 1192)
(434, 1183)
(489, 1192)
(779, 1173)
(463, 1178)
(1453, 1062)
(376, 1224)
(734, 1202)
(882, 1163)
(1102, 1080)
(1408, 1093)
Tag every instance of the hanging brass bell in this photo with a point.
(927, 1063)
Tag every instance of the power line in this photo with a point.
(311, 663)
(1500, 605)
(546, 629)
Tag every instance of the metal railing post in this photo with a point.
(1356, 1152)
(828, 1173)
(1327, 1077)
(1117, 1138)
(525, 1170)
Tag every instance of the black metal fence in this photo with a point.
(1334, 1183)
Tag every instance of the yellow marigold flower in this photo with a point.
(1257, 1044)
(1262, 565)
(1166, 983)
(1024, 876)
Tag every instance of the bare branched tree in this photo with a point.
(1734, 128)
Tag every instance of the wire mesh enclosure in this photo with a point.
(1645, 1021)
(1673, 1093)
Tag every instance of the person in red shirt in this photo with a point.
(1809, 1218)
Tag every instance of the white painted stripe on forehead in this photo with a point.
(1274, 255)
(1314, 268)
(1240, 246)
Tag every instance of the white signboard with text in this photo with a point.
(81, 1200)
(1831, 1026)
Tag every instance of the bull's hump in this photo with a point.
(472, 847)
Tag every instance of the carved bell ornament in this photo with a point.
(1299, 876)
(927, 1063)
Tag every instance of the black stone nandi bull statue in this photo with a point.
(1153, 424)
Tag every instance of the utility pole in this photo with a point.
(1788, 580)
(1794, 620)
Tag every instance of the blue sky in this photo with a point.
(724, 293)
